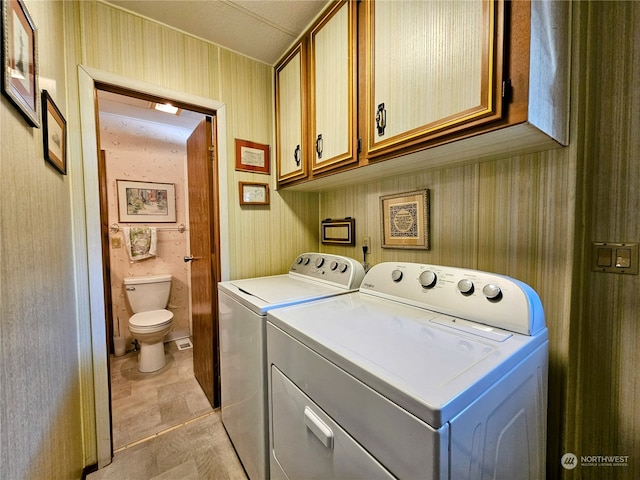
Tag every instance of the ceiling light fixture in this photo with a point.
(166, 107)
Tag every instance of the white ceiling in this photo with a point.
(261, 29)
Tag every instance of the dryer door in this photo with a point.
(308, 444)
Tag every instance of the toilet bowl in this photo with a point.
(149, 328)
(151, 321)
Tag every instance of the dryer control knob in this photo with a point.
(492, 292)
(343, 267)
(319, 262)
(334, 265)
(465, 286)
(428, 279)
(396, 276)
(300, 259)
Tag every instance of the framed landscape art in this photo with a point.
(20, 60)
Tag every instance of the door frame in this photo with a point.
(94, 370)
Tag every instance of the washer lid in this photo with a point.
(265, 293)
(153, 318)
(407, 354)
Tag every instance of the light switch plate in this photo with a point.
(614, 257)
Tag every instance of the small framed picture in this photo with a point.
(20, 60)
(146, 202)
(338, 232)
(252, 157)
(254, 193)
(54, 134)
(405, 220)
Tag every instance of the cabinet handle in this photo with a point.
(318, 428)
(296, 155)
(319, 145)
(381, 119)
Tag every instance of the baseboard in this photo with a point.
(89, 469)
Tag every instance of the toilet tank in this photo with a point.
(148, 293)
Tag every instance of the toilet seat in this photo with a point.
(151, 320)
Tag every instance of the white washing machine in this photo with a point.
(427, 372)
(243, 306)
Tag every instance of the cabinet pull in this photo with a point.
(381, 119)
(318, 428)
(296, 155)
(319, 145)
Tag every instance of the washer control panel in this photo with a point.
(488, 298)
(335, 269)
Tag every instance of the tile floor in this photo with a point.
(163, 425)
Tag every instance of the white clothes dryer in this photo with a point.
(426, 372)
(243, 306)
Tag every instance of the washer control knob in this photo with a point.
(306, 260)
(428, 279)
(300, 259)
(343, 267)
(396, 275)
(334, 265)
(492, 291)
(319, 262)
(465, 286)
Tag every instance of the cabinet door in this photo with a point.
(291, 116)
(433, 68)
(333, 66)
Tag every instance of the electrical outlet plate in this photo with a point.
(366, 242)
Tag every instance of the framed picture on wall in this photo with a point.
(20, 59)
(54, 134)
(254, 193)
(146, 202)
(405, 220)
(252, 157)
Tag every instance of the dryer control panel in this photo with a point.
(335, 269)
(487, 298)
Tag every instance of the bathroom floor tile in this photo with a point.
(143, 404)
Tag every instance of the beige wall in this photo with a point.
(603, 414)
(40, 433)
(532, 217)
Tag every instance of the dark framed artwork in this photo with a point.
(338, 232)
(54, 134)
(405, 220)
(20, 60)
(252, 157)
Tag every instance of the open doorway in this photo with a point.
(92, 80)
(148, 150)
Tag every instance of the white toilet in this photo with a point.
(148, 297)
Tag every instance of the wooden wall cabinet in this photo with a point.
(438, 83)
(291, 101)
(318, 90)
(431, 69)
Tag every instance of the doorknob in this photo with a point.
(190, 258)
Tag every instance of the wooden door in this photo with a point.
(205, 264)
